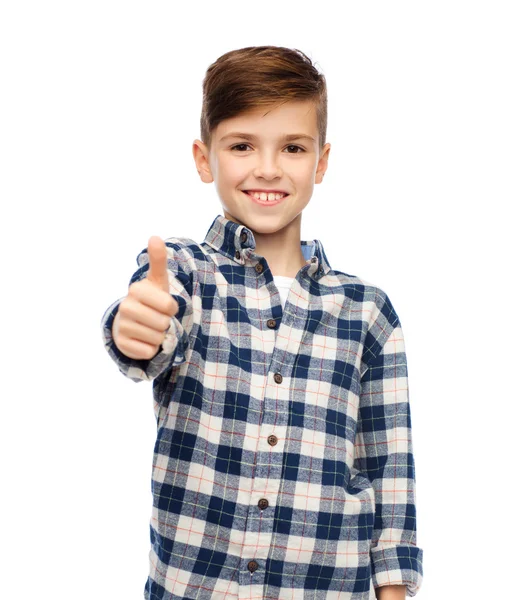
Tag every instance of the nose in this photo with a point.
(268, 166)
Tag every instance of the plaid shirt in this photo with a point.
(283, 464)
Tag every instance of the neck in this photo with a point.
(282, 249)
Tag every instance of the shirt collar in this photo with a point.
(237, 242)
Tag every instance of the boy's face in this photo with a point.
(266, 161)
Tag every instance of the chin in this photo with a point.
(268, 225)
(263, 224)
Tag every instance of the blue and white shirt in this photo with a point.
(283, 464)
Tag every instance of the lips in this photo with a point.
(265, 202)
(250, 192)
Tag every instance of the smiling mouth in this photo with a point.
(266, 201)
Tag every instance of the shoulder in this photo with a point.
(180, 242)
(371, 295)
(370, 304)
(183, 248)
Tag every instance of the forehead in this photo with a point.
(295, 116)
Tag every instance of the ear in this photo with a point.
(322, 164)
(201, 157)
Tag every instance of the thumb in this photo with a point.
(158, 257)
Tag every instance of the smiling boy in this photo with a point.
(275, 149)
(283, 464)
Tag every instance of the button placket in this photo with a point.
(265, 489)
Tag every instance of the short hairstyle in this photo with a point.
(247, 78)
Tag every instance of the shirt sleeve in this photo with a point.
(384, 452)
(173, 350)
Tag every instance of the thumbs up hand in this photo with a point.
(143, 317)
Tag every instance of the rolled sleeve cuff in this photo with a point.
(398, 565)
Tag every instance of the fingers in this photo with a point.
(132, 330)
(136, 349)
(147, 293)
(140, 329)
(132, 309)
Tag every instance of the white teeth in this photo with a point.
(266, 197)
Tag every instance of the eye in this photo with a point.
(237, 146)
(297, 147)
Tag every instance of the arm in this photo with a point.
(391, 592)
(383, 451)
(176, 343)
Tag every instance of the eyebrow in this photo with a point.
(249, 136)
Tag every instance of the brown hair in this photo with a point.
(243, 79)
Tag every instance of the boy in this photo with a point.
(283, 465)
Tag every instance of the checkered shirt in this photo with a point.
(283, 464)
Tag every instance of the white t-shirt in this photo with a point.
(284, 285)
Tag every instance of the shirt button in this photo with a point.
(263, 503)
(252, 565)
(272, 440)
(243, 236)
(259, 268)
(271, 323)
(237, 254)
(278, 378)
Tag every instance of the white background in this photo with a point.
(100, 104)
